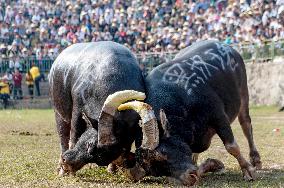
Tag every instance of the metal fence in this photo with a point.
(250, 52)
(266, 51)
(25, 64)
(256, 53)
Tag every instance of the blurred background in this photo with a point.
(33, 33)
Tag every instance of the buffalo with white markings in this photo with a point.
(188, 101)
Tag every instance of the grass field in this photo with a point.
(29, 150)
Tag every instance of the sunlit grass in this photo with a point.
(29, 151)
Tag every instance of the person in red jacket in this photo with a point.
(17, 78)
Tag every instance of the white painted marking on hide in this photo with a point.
(200, 64)
(176, 74)
(200, 69)
(215, 56)
(189, 80)
(226, 52)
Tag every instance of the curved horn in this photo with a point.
(149, 123)
(105, 124)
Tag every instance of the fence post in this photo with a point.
(272, 50)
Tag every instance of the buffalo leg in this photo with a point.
(63, 129)
(224, 131)
(78, 127)
(245, 121)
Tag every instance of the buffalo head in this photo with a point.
(74, 159)
(102, 146)
(162, 153)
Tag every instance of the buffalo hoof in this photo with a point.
(249, 173)
(210, 165)
(255, 160)
(112, 168)
(214, 165)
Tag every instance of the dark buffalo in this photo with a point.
(81, 79)
(198, 94)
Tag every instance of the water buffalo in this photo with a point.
(81, 79)
(198, 95)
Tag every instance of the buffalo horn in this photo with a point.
(105, 124)
(149, 123)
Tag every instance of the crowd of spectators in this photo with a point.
(42, 28)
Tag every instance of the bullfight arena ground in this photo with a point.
(29, 149)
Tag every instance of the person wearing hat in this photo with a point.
(4, 91)
(158, 48)
(166, 39)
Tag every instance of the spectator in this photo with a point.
(8, 77)
(35, 72)
(4, 91)
(30, 84)
(17, 78)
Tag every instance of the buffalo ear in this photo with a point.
(164, 122)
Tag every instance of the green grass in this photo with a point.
(29, 150)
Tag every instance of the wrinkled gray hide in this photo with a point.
(81, 78)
